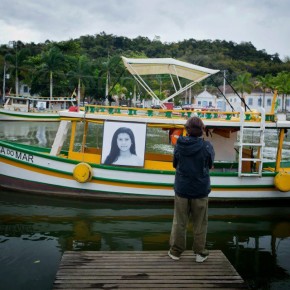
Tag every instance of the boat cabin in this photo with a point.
(239, 145)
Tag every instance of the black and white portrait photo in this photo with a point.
(124, 144)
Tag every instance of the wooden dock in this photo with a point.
(144, 270)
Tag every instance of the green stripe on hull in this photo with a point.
(144, 183)
(31, 150)
(17, 115)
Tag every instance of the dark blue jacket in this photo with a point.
(193, 157)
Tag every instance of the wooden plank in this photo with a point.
(144, 270)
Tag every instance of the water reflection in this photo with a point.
(39, 229)
(33, 133)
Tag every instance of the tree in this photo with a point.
(53, 61)
(282, 84)
(264, 83)
(16, 63)
(119, 91)
(243, 84)
(81, 70)
(110, 71)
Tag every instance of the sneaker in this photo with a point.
(200, 258)
(172, 256)
(204, 252)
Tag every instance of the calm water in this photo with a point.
(35, 231)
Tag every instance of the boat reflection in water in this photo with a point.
(36, 133)
(256, 240)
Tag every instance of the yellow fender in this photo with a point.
(83, 172)
(282, 181)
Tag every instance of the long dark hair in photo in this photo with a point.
(115, 151)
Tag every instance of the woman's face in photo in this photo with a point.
(124, 141)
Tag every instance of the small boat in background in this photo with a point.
(29, 108)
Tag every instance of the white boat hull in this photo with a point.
(6, 115)
(23, 170)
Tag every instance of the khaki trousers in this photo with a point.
(184, 210)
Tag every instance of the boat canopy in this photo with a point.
(156, 66)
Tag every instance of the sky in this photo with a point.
(264, 23)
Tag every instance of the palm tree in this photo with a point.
(243, 84)
(282, 84)
(119, 91)
(53, 61)
(82, 69)
(16, 62)
(264, 83)
(109, 68)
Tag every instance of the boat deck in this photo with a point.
(144, 270)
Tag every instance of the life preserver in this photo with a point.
(175, 135)
(83, 172)
(282, 181)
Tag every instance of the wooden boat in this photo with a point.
(240, 171)
(29, 108)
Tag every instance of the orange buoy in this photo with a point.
(175, 135)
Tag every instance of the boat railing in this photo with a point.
(166, 113)
(40, 98)
(16, 107)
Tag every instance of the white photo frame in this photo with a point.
(124, 144)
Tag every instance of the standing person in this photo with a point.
(193, 157)
(123, 149)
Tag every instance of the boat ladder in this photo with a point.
(251, 127)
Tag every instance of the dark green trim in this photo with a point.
(243, 186)
(36, 166)
(141, 170)
(33, 150)
(30, 116)
(37, 151)
(235, 174)
(29, 149)
(134, 182)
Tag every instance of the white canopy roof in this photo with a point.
(156, 66)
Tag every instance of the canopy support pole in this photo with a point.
(139, 79)
(184, 89)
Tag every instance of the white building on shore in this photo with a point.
(254, 100)
(206, 100)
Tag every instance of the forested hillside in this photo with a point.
(89, 60)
